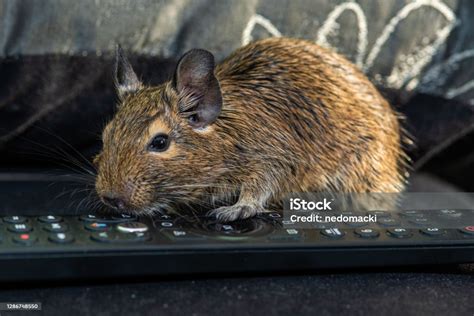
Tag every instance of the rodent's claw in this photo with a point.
(234, 212)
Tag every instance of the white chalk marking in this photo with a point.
(401, 15)
(454, 92)
(260, 20)
(330, 23)
(437, 75)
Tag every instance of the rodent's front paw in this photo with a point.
(237, 211)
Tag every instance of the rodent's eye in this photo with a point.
(159, 143)
(193, 118)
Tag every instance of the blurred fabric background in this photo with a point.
(56, 62)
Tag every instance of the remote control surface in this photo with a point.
(95, 246)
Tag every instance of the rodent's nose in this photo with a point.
(114, 201)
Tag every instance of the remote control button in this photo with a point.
(399, 232)
(450, 213)
(273, 215)
(380, 213)
(19, 228)
(55, 227)
(432, 231)
(178, 234)
(412, 213)
(166, 224)
(112, 237)
(468, 230)
(286, 234)
(50, 219)
(15, 219)
(367, 233)
(103, 237)
(124, 217)
(388, 222)
(132, 227)
(61, 238)
(164, 217)
(25, 239)
(135, 237)
(419, 221)
(89, 218)
(235, 230)
(96, 226)
(333, 233)
(222, 228)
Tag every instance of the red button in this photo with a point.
(26, 236)
(469, 228)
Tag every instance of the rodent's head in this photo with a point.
(161, 146)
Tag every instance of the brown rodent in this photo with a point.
(277, 116)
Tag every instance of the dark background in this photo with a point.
(56, 64)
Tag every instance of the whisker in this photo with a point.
(62, 140)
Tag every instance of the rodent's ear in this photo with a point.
(198, 88)
(126, 81)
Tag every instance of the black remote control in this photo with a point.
(93, 246)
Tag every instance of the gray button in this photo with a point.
(367, 233)
(333, 233)
(132, 227)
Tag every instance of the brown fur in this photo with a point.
(295, 118)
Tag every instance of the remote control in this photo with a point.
(94, 246)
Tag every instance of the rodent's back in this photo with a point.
(312, 118)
